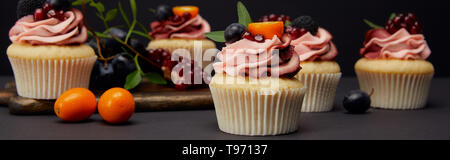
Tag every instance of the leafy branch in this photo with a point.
(134, 78)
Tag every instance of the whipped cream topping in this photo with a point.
(250, 58)
(319, 47)
(194, 28)
(50, 31)
(400, 45)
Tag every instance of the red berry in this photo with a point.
(273, 17)
(416, 29)
(176, 18)
(391, 28)
(295, 33)
(303, 31)
(47, 7)
(248, 35)
(259, 38)
(187, 15)
(38, 15)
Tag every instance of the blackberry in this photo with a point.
(63, 5)
(306, 22)
(27, 7)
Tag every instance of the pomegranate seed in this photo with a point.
(273, 17)
(187, 15)
(176, 18)
(248, 35)
(295, 33)
(259, 38)
(38, 15)
(397, 20)
(47, 7)
(303, 31)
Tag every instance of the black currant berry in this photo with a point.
(163, 12)
(356, 102)
(27, 7)
(306, 22)
(60, 4)
(234, 32)
(119, 33)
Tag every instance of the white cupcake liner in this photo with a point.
(254, 113)
(396, 91)
(48, 79)
(320, 92)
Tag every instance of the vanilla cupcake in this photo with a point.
(48, 54)
(320, 72)
(394, 65)
(254, 89)
(180, 27)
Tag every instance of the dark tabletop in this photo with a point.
(430, 123)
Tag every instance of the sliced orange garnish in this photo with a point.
(180, 10)
(267, 29)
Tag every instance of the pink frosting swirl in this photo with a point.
(50, 31)
(250, 58)
(194, 28)
(319, 47)
(400, 45)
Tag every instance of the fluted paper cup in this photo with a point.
(396, 91)
(320, 92)
(48, 79)
(254, 113)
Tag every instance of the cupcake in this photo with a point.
(254, 89)
(394, 64)
(48, 54)
(180, 27)
(320, 73)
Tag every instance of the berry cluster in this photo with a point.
(407, 21)
(113, 72)
(295, 32)
(274, 17)
(163, 57)
(257, 38)
(181, 81)
(52, 9)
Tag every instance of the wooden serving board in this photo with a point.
(148, 97)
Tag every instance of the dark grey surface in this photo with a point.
(430, 123)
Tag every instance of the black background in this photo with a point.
(342, 18)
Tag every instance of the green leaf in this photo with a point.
(392, 16)
(244, 16)
(110, 15)
(99, 6)
(373, 25)
(79, 2)
(99, 15)
(218, 36)
(133, 8)
(288, 23)
(133, 80)
(155, 78)
(142, 34)
(124, 15)
(142, 27)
